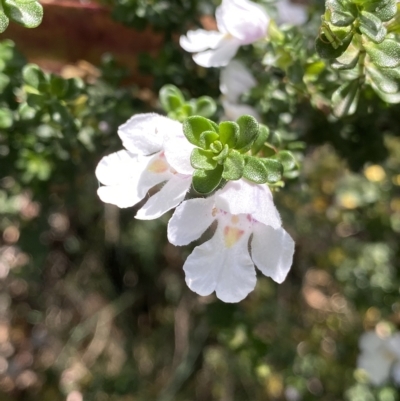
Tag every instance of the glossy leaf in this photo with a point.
(260, 140)
(4, 20)
(28, 13)
(261, 171)
(386, 79)
(348, 59)
(384, 54)
(334, 46)
(345, 99)
(385, 11)
(371, 26)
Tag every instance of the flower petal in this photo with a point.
(122, 195)
(214, 267)
(243, 19)
(170, 195)
(235, 80)
(234, 111)
(396, 373)
(200, 40)
(243, 197)
(291, 13)
(376, 365)
(272, 251)
(177, 151)
(220, 56)
(190, 220)
(145, 134)
(119, 167)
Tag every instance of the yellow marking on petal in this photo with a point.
(235, 219)
(158, 166)
(232, 235)
(214, 212)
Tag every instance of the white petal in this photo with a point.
(393, 344)
(290, 13)
(272, 251)
(177, 152)
(243, 197)
(190, 220)
(214, 267)
(122, 195)
(371, 342)
(233, 111)
(220, 56)
(170, 195)
(235, 80)
(396, 373)
(146, 133)
(200, 40)
(376, 365)
(243, 19)
(119, 167)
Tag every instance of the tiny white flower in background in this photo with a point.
(291, 13)
(380, 357)
(223, 264)
(235, 80)
(156, 151)
(239, 22)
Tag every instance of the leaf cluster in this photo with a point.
(356, 37)
(222, 153)
(174, 103)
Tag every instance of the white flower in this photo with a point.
(236, 80)
(380, 357)
(223, 264)
(156, 151)
(240, 22)
(291, 13)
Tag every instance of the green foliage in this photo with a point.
(223, 153)
(173, 102)
(354, 36)
(28, 13)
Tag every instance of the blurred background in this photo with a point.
(93, 303)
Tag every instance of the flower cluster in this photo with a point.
(380, 357)
(157, 151)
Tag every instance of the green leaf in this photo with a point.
(28, 13)
(207, 138)
(371, 26)
(391, 98)
(4, 21)
(263, 135)
(229, 133)
(6, 118)
(233, 166)
(206, 181)
(58, 86)
(35, 77)
(348, 59)
(248, 131)
(384, 54)
(332, 41)
(205, 106)
(261, 171)
(287, 159)
(194, 126)
(345, 99)
(386, 79)
(171, 98)
(340, 13)
(385, 11)
(203, 159)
